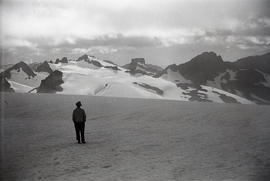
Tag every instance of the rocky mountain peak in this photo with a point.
(51, 84)
(85, 57)
(5, 86)
(207, 57)
(63, 60)
(44, 67)
(138, 60)
(17, 67)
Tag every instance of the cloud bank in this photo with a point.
(120, 29)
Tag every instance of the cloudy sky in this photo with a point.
(161, 31)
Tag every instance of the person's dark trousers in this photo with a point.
(79, 127)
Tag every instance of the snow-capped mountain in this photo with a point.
(22, 78)
(247, 77)
(41, 67)
(89, 75)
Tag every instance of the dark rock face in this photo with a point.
(17, 67)
(108, 61)
(4, 85)
(84, 57)
(63, 60)
(261, 63)
(137, 60)
(138, 65)
(57, 61)
(87, 59)
(112, 67)
(44, 67)
(149, 87)
(96, 63)
(203, 67)
(248, 81)
(34, 65)
(51, 84)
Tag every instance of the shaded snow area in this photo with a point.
(133, 139)
(21, 82)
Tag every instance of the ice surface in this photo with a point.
(133, 139)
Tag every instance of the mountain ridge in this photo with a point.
(206, 77)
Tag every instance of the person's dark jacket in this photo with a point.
(78, 115)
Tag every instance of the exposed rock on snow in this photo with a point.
(248, 77)
(21, 66)
(44, 67)
(89, 75)
(63, 60)
(138, 66)
(5, 85)
(149, 87)
(52, 83)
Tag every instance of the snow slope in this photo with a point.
(21, 82)
(174, 77)
(83, 78)
(91, 76)
(132, 139)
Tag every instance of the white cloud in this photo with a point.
(122, 26)
(59, 19)
(94, 50)
(18, 43)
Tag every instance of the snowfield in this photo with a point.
(21, 82)
(102, 78)
(133, 139)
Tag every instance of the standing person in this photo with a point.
(79, 119)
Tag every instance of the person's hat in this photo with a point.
(78, 104)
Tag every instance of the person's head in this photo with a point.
(78, 104)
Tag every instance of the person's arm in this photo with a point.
(73, 117)
(84, 116)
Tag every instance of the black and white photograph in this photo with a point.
(135, 90)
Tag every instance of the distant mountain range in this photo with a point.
(247, 77)
(205, 77)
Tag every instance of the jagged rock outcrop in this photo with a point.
(138, 60)
(239, 78)
(57, 61)
(203, 67)
(44, 67)
(138, 65)
(5, 85)
(90, 59)
(18, 67)
(63, 60)
(52, 83)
